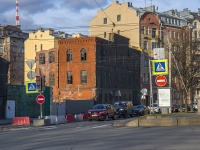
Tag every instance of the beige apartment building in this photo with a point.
(40, 40)
(119, 18)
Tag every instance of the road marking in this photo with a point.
(101, 126)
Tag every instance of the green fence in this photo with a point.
(25, 104)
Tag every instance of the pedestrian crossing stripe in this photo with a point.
(31, 87)
(160, 67)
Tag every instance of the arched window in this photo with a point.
(69, 55)
(83, 54)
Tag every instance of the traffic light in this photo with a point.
(40, 83)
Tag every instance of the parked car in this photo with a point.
(124, 108)
(183, 107)
(102, 112)
(154, 108)
(140, 110)
(175, 108)
(195, 108)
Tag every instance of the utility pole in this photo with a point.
(169, 59)
(150, 81)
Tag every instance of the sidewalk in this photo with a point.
(5, 121)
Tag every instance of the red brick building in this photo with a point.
(47, 65)
(94, 68)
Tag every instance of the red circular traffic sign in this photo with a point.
(161, 80)
(40, 99)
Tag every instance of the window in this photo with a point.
(172, 34)
(145, 45)
(1, 49)
(118, 32)
(118, 17)
(177, 35)
(195, 25)
(41, 47)
(83, 55)
(83, 77)
(104, 20)
(104, 34)
(1, 40)
(146, 64)
(167, 20)
(51, 57)
(142, 30)
(35, 47)
(42, 58)
(69, 77)
(147, 30)
(147, 77)
(144, 76)
(153, 32)
(154, 45)
(1, 32)
(51, 79)
(69, 55)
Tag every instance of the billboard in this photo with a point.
(164, 97)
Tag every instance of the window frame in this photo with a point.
(69, 55)
(42, 58)
(119, 17)
(105, 20)
(69, 77)
(51, 57)
(83, 77)
(83, 54)
(51, 79)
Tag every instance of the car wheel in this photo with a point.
(125, 115)
(131, 115)
(107, 117)
(114, 117)
(89, 119)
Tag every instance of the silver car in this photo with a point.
(154, 108)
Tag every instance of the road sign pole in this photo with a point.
(41, 111)
(150, 77)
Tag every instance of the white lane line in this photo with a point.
(101, 126)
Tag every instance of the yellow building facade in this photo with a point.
(39, 40)
(117, 18)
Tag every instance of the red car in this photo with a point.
(102, 112)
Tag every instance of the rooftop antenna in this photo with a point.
(17, 13)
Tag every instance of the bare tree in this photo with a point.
(185, 68)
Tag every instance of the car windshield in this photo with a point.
(138, 106)
(120, 104)
(99, 107)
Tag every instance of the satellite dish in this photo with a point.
(31, 75)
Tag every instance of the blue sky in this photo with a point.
(73, 16)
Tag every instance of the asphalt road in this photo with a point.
(100, 135)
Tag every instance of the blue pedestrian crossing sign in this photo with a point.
(31, 87)
(160, 67)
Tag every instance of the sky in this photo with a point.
(73, 16)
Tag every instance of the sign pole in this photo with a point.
(41, 111)
(151, 98)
